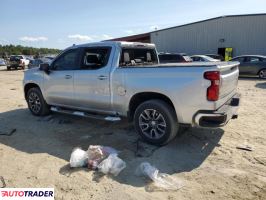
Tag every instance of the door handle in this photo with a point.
(102, 77)
(68, 76)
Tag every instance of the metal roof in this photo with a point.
(224, 16)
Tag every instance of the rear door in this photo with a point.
(253, 65)
(243, 64)
(92, 81)
(58, 83)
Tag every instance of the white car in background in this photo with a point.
(203, 58)
(2, 62)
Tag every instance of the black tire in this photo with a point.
(163, 118)
(36, 102)
(262, 73)
(8, 68)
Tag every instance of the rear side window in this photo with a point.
(95, 58)
(165, 57)
(196, 59)
(176, 58)
(138, 56)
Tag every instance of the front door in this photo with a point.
(58, 84)
(92, 81)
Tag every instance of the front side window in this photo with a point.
(138, 56)
(67, 61)
(196, 59)
(95, 58)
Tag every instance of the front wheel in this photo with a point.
(262, 73)
(156, 122)
(36, 102)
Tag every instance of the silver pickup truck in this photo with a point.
(110, 80)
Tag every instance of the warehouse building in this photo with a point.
(229, 36)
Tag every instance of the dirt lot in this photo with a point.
(207, 161)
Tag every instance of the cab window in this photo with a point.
(138, 57)
(95, 58)
(67, 61)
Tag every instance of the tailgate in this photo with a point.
(229, 78)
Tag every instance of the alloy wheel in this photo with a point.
(34, 102)
(152, 123)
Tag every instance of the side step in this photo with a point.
(84, 114)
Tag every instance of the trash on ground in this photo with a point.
(8, 133)
(144, 150)
(46, 118)
(102, 158)
(2, 182)
(78, 158)
(261, 160)
(112, 165)
(245, 147)
(161, 180)
(64, 121)
(97, 153)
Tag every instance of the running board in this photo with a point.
(84, 114)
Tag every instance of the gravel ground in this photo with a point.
(37, 152)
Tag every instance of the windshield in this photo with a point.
(15, 58)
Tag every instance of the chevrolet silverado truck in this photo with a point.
(18, 61)
(112, 80)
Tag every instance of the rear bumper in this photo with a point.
(220, 117)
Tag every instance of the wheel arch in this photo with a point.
(28, 86)
(264, 68)
(139, 98)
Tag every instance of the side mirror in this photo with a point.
(45, 67)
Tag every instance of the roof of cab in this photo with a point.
(115, 43)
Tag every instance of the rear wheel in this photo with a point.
(8, 68)
(262, 73)
(36, 102)
(156, 122)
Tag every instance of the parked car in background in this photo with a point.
(203, 58)
(18, 61)
(2, 62)
(36, 62)
(174, 57)
(216, 56)
(49, 57)
(112, 80)
(252, 65)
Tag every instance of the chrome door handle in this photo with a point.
(102, 77)
(68, 76)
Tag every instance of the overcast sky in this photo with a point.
(61, 23)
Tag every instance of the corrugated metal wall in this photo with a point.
(245, 34)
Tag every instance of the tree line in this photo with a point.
(7, 50)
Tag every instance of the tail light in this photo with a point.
(213, 90)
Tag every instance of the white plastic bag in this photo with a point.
(78, 158)
(112, 165)
(160, 179)
(96, 153)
